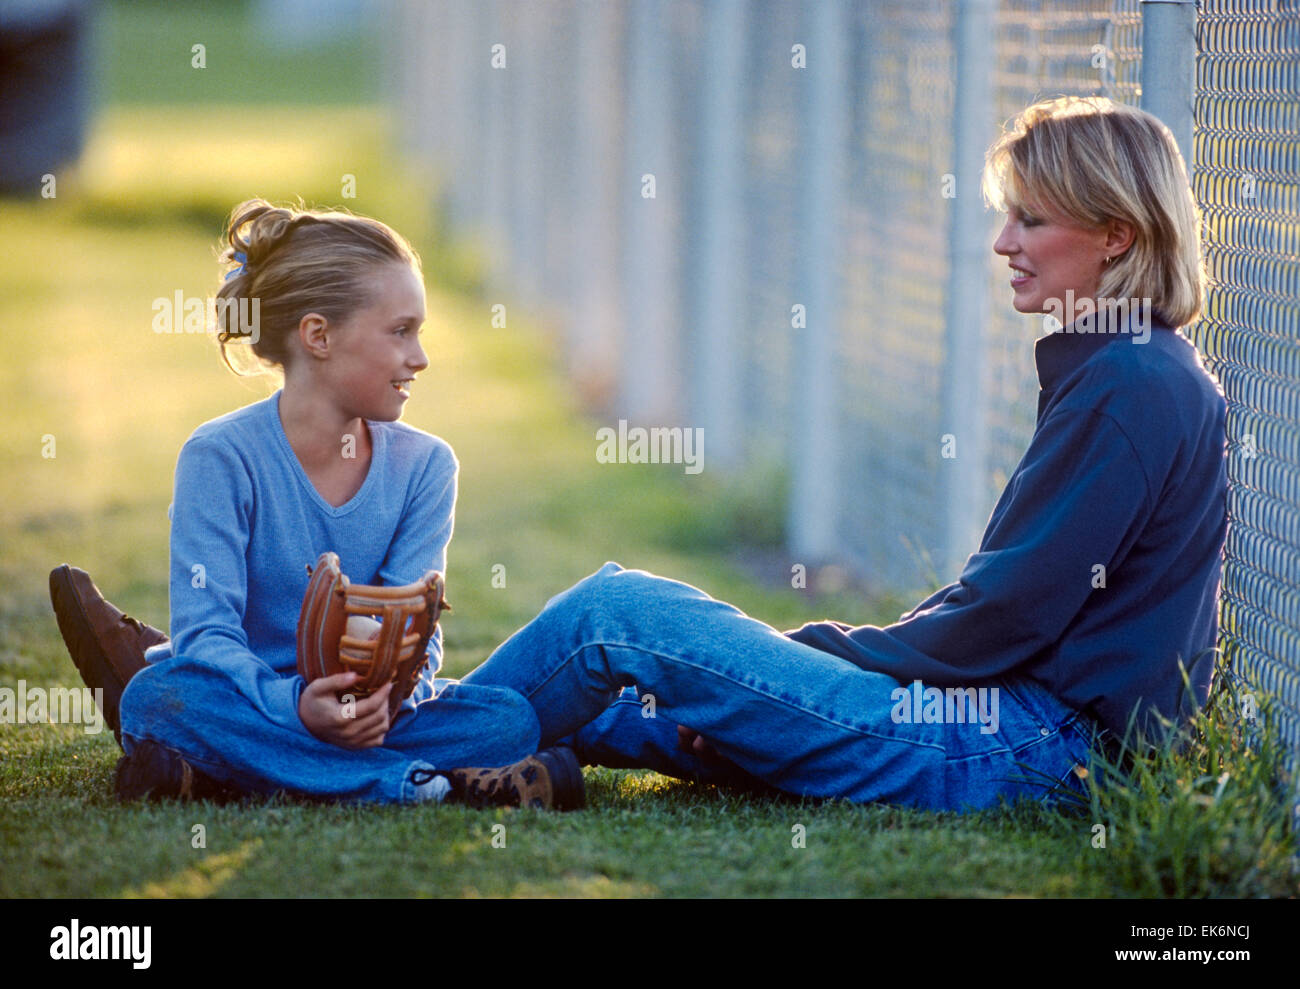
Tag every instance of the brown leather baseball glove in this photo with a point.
(381, 633)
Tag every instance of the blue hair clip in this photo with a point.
(242, 258)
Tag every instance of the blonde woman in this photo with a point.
(999, 681)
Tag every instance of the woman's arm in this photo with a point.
(1078, 500)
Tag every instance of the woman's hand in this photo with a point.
(358, 724)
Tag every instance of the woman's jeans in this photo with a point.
(778, 712)
(211, 716)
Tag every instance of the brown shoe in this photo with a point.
(154, 772)
(107, 646)
(549, 780)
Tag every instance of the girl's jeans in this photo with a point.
(780, 713)
(210, 715)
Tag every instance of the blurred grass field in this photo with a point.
(139, 220)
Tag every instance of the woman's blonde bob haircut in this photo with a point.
(1092, 160)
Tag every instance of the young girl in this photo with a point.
(336, 301)
(1091, 597)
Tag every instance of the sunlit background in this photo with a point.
(522, 187)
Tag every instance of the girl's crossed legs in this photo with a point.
(217, 718)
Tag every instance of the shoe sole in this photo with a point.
(74, 626)
(568, 791)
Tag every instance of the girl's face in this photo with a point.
(1050, 256)
(376, 355)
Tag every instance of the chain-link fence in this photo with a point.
(763, 219)
(1247, 182)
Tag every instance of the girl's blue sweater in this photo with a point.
(247, 521)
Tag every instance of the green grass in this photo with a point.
(1207, 810)
(139, 221)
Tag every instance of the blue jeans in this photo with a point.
(210, 716)
(617, 661)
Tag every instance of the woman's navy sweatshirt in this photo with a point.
(1099, 571)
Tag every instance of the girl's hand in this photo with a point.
(360, 724)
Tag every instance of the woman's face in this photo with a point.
(1050, 256)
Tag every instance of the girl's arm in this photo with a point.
(419, 543)
(212, 515)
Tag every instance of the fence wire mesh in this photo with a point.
(1247, 183)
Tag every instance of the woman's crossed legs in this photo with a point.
(809, 723)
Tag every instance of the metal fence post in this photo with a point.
(1169, 78)
(529, 96)
(598, 193)
(814, 502)
(497, 148)
(718, 276)
(964, 409)
(649, 385)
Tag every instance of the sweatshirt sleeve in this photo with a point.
(212, 515)
(1078, 499)
(420, 542)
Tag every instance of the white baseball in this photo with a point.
(361, 627)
